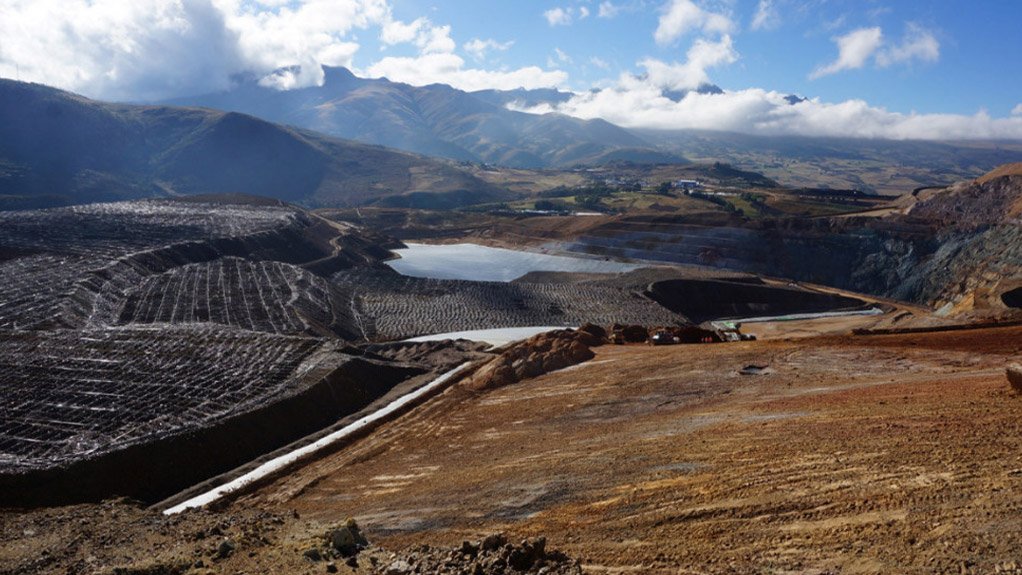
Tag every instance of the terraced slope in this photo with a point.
(392, 306)
(264, 296)
(96, 265)
(146, 346)
(85, 385)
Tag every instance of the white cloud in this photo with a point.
(152, 49)
(608, 10)
(766, 16)
(918, 44)
(427, 37)
(557, 16)
(155, 49)
(143, 49)
(682, 16)
(854, 50)
(562, 56)
(450, 69)
(604, 65)
(298, 34)
(703, 55)
(634, 103)
(478, 48)
(436, 40)
(857, 47)
(583, 12)
(1017, 110)
(396, 32)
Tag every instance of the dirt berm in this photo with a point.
(537, 355)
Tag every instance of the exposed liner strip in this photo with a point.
(287, 459)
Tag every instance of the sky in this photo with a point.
(901, 69)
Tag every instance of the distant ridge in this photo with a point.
(59, 148)
(1014, 169)
(439, 120)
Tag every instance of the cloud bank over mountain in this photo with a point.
(145, 50)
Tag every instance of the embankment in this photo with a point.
(334, 385)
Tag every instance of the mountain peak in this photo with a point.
(337, 75)
(437, 120)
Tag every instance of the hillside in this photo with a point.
(889, 167)
(58, 148)
(437, 120)
(957, 249)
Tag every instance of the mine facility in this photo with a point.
(149, 346)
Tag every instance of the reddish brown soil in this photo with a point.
(880, 454)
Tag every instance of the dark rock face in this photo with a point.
(1012, 298)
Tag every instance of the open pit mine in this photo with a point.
(229, 384)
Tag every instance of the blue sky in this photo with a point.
(978, 64)
(871, 68)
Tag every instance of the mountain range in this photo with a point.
(322, 146)
(439, 120)
(58, 148)
(485, 127)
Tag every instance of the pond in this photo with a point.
(482, 263)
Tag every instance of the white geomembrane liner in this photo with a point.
(289, 458)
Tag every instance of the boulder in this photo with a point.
(1014, 374)
(348, 540)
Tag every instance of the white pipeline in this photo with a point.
(287, 459)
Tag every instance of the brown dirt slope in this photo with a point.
(1005, 170)
(880, 454)
(847, 454)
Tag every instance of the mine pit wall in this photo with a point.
(704, 300)
(895, 259)
(154, 470)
